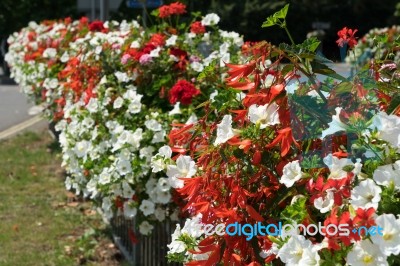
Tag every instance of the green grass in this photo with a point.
(40, 222)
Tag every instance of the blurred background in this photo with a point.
(321, 18)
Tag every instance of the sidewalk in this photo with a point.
(14, 115)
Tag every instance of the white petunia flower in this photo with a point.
(210, 19)
(336, 166)
(171, 40)
(176, 109)
(147, 207)
(176, 246)
(153, 125)
(197, 66)
(291, 173)
(145, 228)
(389, 241)
(336, 125)
(298, 251)
(163, 196)
(185, 167)
(118, 103)
(388, 174)
(264, 115)
(366, 195)
(324, 204)
(160, 214)
(224, 130)
(364, 253)
(129, 211)
(81, 148)
(388, 127)
(49, 53)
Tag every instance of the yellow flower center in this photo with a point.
(387, 237)
(368, 259)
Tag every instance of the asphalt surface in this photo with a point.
(14, 106)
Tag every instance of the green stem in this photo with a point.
(288, 33)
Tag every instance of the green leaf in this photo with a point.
(268, 23)
(282, 13)
(344, 87)
(323, 69)
(275, 18)
(310, 44)
(295, 212)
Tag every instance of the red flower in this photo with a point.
(183, 91)
(197, 28)
(172, 9)
(346, 36)
(157, 39)
(97, 25)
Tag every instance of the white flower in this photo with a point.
(92, 105)
(388, 127)
(298, 251)
(224, 130)
(159, 213)
(366, 195)
(265, 115)
(389, 242)
(176, 109)
(388, 174)
(49, 53)
(192, 119)
(145, 228)
(364, 253)
(185, 167)
(163, 196)
(291, 173)
(147, 207)
(324, 204)
(176, 246)
(135, 44)
(163, 184)
(118, 103)
(129, 211)
(153, 125)
(336, 125)
(122, 77)
(212, 95)
(81, 148)
(197, 66)
(193, 227)
(336, 166)
(123, 166)
(171, 40)
(210, 19)
(159, 136)
(105, 177)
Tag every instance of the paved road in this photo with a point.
(14, 106)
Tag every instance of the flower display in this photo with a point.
(116, 89)
(285, 168)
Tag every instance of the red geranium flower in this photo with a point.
(172, 9)
(183, 91)
(97, 25)
(347, 36)
(197, 28)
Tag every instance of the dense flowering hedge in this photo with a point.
(150, 119)
(380, 44)
(293, 151)
(115, 89)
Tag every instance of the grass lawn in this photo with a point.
(40, 222)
